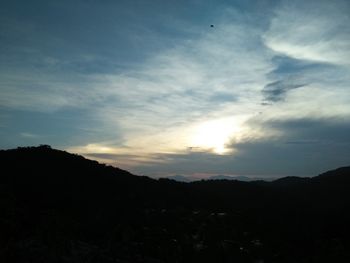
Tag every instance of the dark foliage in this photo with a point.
(60, 207)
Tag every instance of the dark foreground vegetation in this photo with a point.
(59, 207)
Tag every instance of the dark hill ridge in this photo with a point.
(60, 207)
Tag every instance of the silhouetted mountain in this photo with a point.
(290, 180)
(61, 207)
(339, 175)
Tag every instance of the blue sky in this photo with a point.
(151, 87)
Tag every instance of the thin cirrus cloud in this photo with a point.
(315, 32)
(276, 91)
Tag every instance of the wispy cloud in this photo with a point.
(277, 90)
(311, 30)
(28, 135)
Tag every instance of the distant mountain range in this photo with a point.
(227, 177)
(187, 179)
(60, 207)
(181, 178)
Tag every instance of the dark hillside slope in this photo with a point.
(48, 175)
(61, 207)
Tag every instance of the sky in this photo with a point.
(152, 87)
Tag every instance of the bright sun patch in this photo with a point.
(215, 135)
